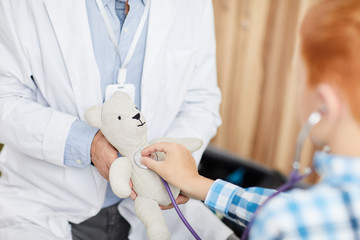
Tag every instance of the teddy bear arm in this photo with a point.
(119, 177)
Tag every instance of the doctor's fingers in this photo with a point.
(133, 194)
(181, 199)
(103, 154)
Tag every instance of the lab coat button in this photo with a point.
(93, 211)
(125, 29)
(78, 161)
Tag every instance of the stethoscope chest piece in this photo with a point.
(137, 157)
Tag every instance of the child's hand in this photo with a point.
(178, 168)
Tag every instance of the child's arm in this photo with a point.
(236, 203)
(179, 169)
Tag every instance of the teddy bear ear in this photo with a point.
(93, 116)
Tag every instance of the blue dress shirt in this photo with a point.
(78, 144)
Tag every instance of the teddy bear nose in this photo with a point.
(137, 116)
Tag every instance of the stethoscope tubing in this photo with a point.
(295, 176)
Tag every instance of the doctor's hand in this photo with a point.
(103, 154)
(181, 199)
(178, 168)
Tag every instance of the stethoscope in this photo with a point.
(295, 175)
(154, 156)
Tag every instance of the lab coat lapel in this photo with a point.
(70, 23)
(161, 18)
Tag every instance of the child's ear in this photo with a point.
(330, 102)
(93, 116)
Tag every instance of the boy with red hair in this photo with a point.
(330, 85)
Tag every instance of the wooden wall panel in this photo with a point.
(279, 42)
(240, 74)
(257, 41)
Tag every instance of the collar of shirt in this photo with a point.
(337, 169)
(106, 2)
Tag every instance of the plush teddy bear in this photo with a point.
(125, 128)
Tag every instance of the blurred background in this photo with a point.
(257, 44)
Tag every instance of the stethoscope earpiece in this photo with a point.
(314, 118)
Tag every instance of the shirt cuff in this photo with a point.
(78, 144)
(219, 195)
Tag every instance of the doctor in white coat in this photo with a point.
(49, 77)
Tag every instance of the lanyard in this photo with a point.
(122, 70)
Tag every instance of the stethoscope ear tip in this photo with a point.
(314, 118)
(308, 171)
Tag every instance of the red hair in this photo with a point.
(330, 36)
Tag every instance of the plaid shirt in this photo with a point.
(328, 210)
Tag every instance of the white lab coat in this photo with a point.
(49, 77)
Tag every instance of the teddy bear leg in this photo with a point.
(151, 216)
(119, 177)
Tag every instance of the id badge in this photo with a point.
(127, 88)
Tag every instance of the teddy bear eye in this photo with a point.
(119, 117)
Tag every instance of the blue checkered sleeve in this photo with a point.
(322, 212)
(236, 203)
